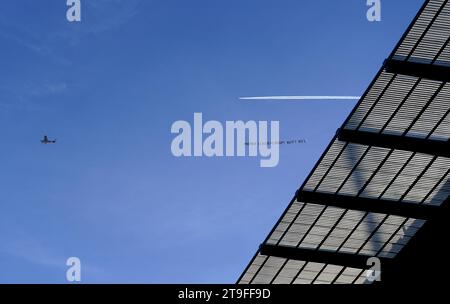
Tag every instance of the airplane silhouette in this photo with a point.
(46, 141)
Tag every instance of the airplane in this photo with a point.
(46, 141)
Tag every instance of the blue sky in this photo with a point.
(109, 88)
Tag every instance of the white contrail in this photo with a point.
(301, 98)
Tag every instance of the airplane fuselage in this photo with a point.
(46, 141)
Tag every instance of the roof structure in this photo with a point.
(383, 180)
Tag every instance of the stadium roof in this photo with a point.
(383, 178)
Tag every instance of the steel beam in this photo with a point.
(407, 210)
(421, 70)
(319, 256)
(428, 146)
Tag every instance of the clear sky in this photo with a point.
(109, 88)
